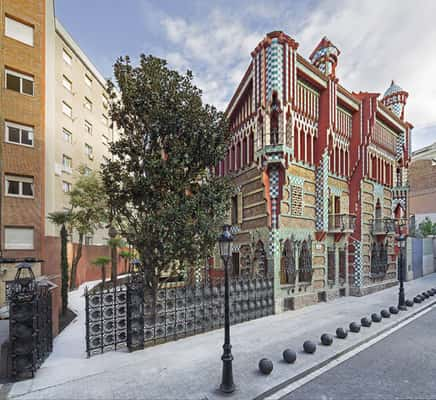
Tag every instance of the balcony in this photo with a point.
(382, 226)
(342, 223)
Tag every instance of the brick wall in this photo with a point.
(422, 181)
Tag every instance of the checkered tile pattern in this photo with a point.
(274, 69)
(273, 244)
(321, 194)
(358, 267)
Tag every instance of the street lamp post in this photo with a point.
(225, 243)
(401, 239)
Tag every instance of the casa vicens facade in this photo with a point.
(320, 173)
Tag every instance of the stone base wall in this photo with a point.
(363, 291)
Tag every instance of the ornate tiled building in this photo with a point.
(320, 173)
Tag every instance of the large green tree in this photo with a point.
(163, 196)
(427, 227)
(89, 212)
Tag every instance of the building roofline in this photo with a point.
(241, 85)
(66, 37)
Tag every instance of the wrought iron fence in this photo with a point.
(106, 319)
(113, 322)
(30, 323)
(185, 311)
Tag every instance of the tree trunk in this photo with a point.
(64, 270)
(103, 274)
(114, 265)
(75, 263)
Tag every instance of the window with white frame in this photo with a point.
(19, 82)
(88, 80)
(88, 104)
(67, 57)
(87, 171)
(66, 187)
(19, 238)
(67, 110)
(88, 151)
(19, 186)
(19, 134)
(67, 163)
(19, 31)
(67, 84)
(67, 135)
(88, 127)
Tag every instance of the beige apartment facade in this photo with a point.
(78, 128)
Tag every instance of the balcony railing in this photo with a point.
(342, 222)
(382, 226)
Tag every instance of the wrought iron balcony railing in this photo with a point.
(382, 226)
(342, 223)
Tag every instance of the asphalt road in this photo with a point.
(401, 366)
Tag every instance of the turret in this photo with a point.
(395, 98)
(325, 57)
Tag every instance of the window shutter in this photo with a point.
(240, 208)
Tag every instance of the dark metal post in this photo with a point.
(225, 242)
(401, 296)
(227, 385)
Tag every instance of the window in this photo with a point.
(234, 210)
(67, 110)
(104, 101)
(67, 163)
(19, 31)
(105, 140)
(88, 240)
(87, 171)
(18, 238)
(67, 83)
(67, 58)
(19, 186)
(88, 81)
(19, 82)
(67, 135)
(19, 134)
(104, 120)
(88, 127)
(88, 104)
(88, 151)
(66, 187)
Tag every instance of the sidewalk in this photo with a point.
(190, 368)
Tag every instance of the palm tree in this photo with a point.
(102, 261)
(63, 218)
(126, 255)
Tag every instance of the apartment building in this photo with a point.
(22, 138)
(320, 173)
(53, 119)
(78, 129)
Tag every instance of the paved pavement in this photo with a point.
(401, 366)
(190, 368)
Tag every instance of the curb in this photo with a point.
(322, 364)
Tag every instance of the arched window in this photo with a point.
(305, 262)
(287, 263)
(244, 152)
(250, 148)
